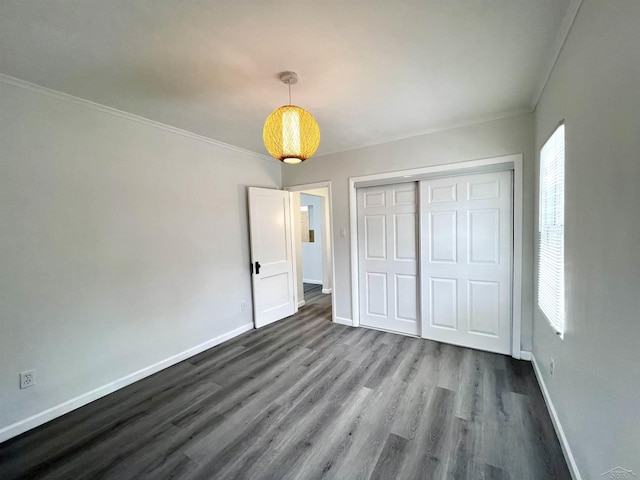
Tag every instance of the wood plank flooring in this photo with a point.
(307, 399)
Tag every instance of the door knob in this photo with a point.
(257, 268)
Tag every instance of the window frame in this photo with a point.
(551, 294)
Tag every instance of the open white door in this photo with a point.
(271, 255)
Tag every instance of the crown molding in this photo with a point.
(561, 38)
(16, 82)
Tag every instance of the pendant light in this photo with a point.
(291, 134)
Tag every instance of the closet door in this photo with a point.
(466, 254)
(387, 257)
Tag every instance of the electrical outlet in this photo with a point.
(243, 306)
(27, 378)
(552, 367)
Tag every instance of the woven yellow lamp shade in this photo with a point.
(291, 134)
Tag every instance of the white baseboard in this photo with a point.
(327, 291)
(343, 321)
(301, 303)
(312, 282)
(568, 455)
(38, 419)
(524, 355)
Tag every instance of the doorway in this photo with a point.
(313, 254)
(313, 243)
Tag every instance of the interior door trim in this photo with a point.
(508, 162)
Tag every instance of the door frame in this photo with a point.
(508, 162)
(313, 186)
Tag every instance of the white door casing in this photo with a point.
(271, 255)
(466, 243)
(388, 263)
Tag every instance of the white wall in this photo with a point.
(595, 88)
(312, 251)
(121, 244)
(489, 139)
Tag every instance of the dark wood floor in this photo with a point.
(308, 399)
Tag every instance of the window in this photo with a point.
(551, 226)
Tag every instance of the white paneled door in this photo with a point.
(272, 255)
(387, 259)
(466, 244)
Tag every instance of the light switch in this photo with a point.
(343, 232)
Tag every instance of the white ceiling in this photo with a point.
(370, 70)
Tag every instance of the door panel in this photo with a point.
(443, 301)
(375, 237)
(466, 228)
(443, 233)
(484, 307)
(406, 301)
(271, 246)
(387, 257)
(484, 236)
(445, 192)
(374, 199)
(404, 236)
(377, 294)
(404, 196)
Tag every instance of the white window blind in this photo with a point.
(551, 226)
